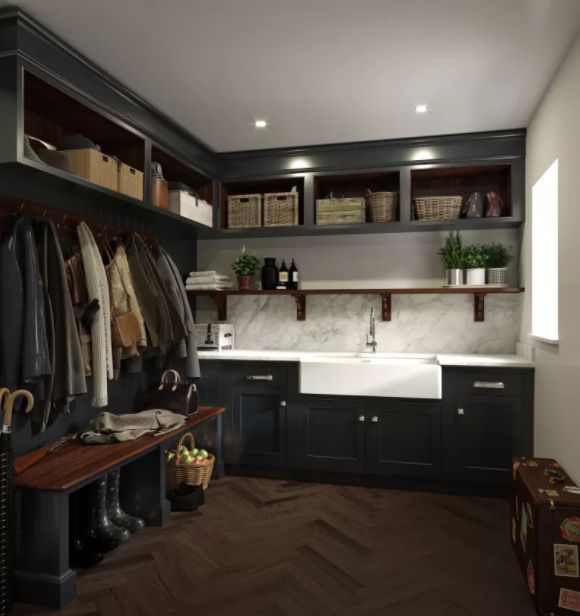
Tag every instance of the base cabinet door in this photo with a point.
(487, 433)
(259, 433)
(327, 434)
(404, 439)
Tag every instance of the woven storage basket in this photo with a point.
(130, 181)
(381, 206)
(343, 211)
(191, 474)
(94, 166)
(244, 211)
(281, 209)
(438, 208)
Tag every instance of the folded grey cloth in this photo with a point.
(111, 428)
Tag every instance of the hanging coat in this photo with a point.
(165, 327)
(187, 349)
(68, 376)
(98, 289)
(24, 352)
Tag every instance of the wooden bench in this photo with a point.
(43, 575)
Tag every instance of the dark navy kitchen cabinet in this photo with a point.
(327, 434)
(403, 438)
(484, 419)
(258, 400)
(489, 421)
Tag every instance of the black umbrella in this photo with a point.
(7, 400)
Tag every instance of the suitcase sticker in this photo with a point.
(570, 529)
(565, 560)
(569, 600)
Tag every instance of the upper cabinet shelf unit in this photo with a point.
(50, 116)
(257, 202)
(175, 171)
(462, 182)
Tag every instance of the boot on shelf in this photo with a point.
(101, 528)
(83, 552)
(114, 511)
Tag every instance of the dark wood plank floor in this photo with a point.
(266, 547)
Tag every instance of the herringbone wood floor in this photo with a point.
(265, 547)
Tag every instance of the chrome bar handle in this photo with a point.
(361, 418)
(488, 385)
(260, 377)
(283, 403)
(375, 419)
(460, 412)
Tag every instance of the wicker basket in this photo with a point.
(438, 208)
(244, 211)
(281, 209)
(381, 206)
(191, 474)
(342, 211)
(94, 166)
(130, 181)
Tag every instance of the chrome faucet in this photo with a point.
(371, 337)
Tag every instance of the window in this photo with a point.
(545, 256)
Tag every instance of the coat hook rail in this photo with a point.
(64, 222)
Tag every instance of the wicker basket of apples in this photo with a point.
(189, 465)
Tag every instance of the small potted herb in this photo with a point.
(452, 259)
(475, 262)
(245, 266)
(498, 258)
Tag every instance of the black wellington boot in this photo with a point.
(101, 528)
(114, 511)
(82, 551)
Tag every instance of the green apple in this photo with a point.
(170, 456)
(194, 451)
(203, 453)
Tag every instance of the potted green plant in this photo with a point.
(498, 258)
(452, 259)
(475, 262)
(245, 266)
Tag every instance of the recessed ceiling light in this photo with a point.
(260, 123)
(421, 108)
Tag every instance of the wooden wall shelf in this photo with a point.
(220, 297)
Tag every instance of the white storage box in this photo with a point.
(183, 202)
(215, 336)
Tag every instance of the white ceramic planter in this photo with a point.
(475, 276)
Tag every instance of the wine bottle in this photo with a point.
(282, 276)
(293, 276)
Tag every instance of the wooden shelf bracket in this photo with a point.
(386, 306)
(479, 307)
(221, 302)
(300, 306)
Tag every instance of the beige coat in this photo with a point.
(124, 298)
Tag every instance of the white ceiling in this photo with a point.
(324, 71)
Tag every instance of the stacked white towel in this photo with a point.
(207, 281)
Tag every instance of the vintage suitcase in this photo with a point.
(545, 526)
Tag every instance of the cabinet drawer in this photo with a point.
(259, 375)
(501, 383)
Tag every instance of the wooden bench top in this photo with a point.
(77, 464)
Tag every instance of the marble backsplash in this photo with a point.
(420, 323)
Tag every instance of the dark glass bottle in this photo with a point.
(269, 274)
(282, 276)
(293, 276)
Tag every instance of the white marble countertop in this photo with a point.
(443, 359)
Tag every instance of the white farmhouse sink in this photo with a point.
(379, 375)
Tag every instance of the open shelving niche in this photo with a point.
(50, 113)
(220, 298)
